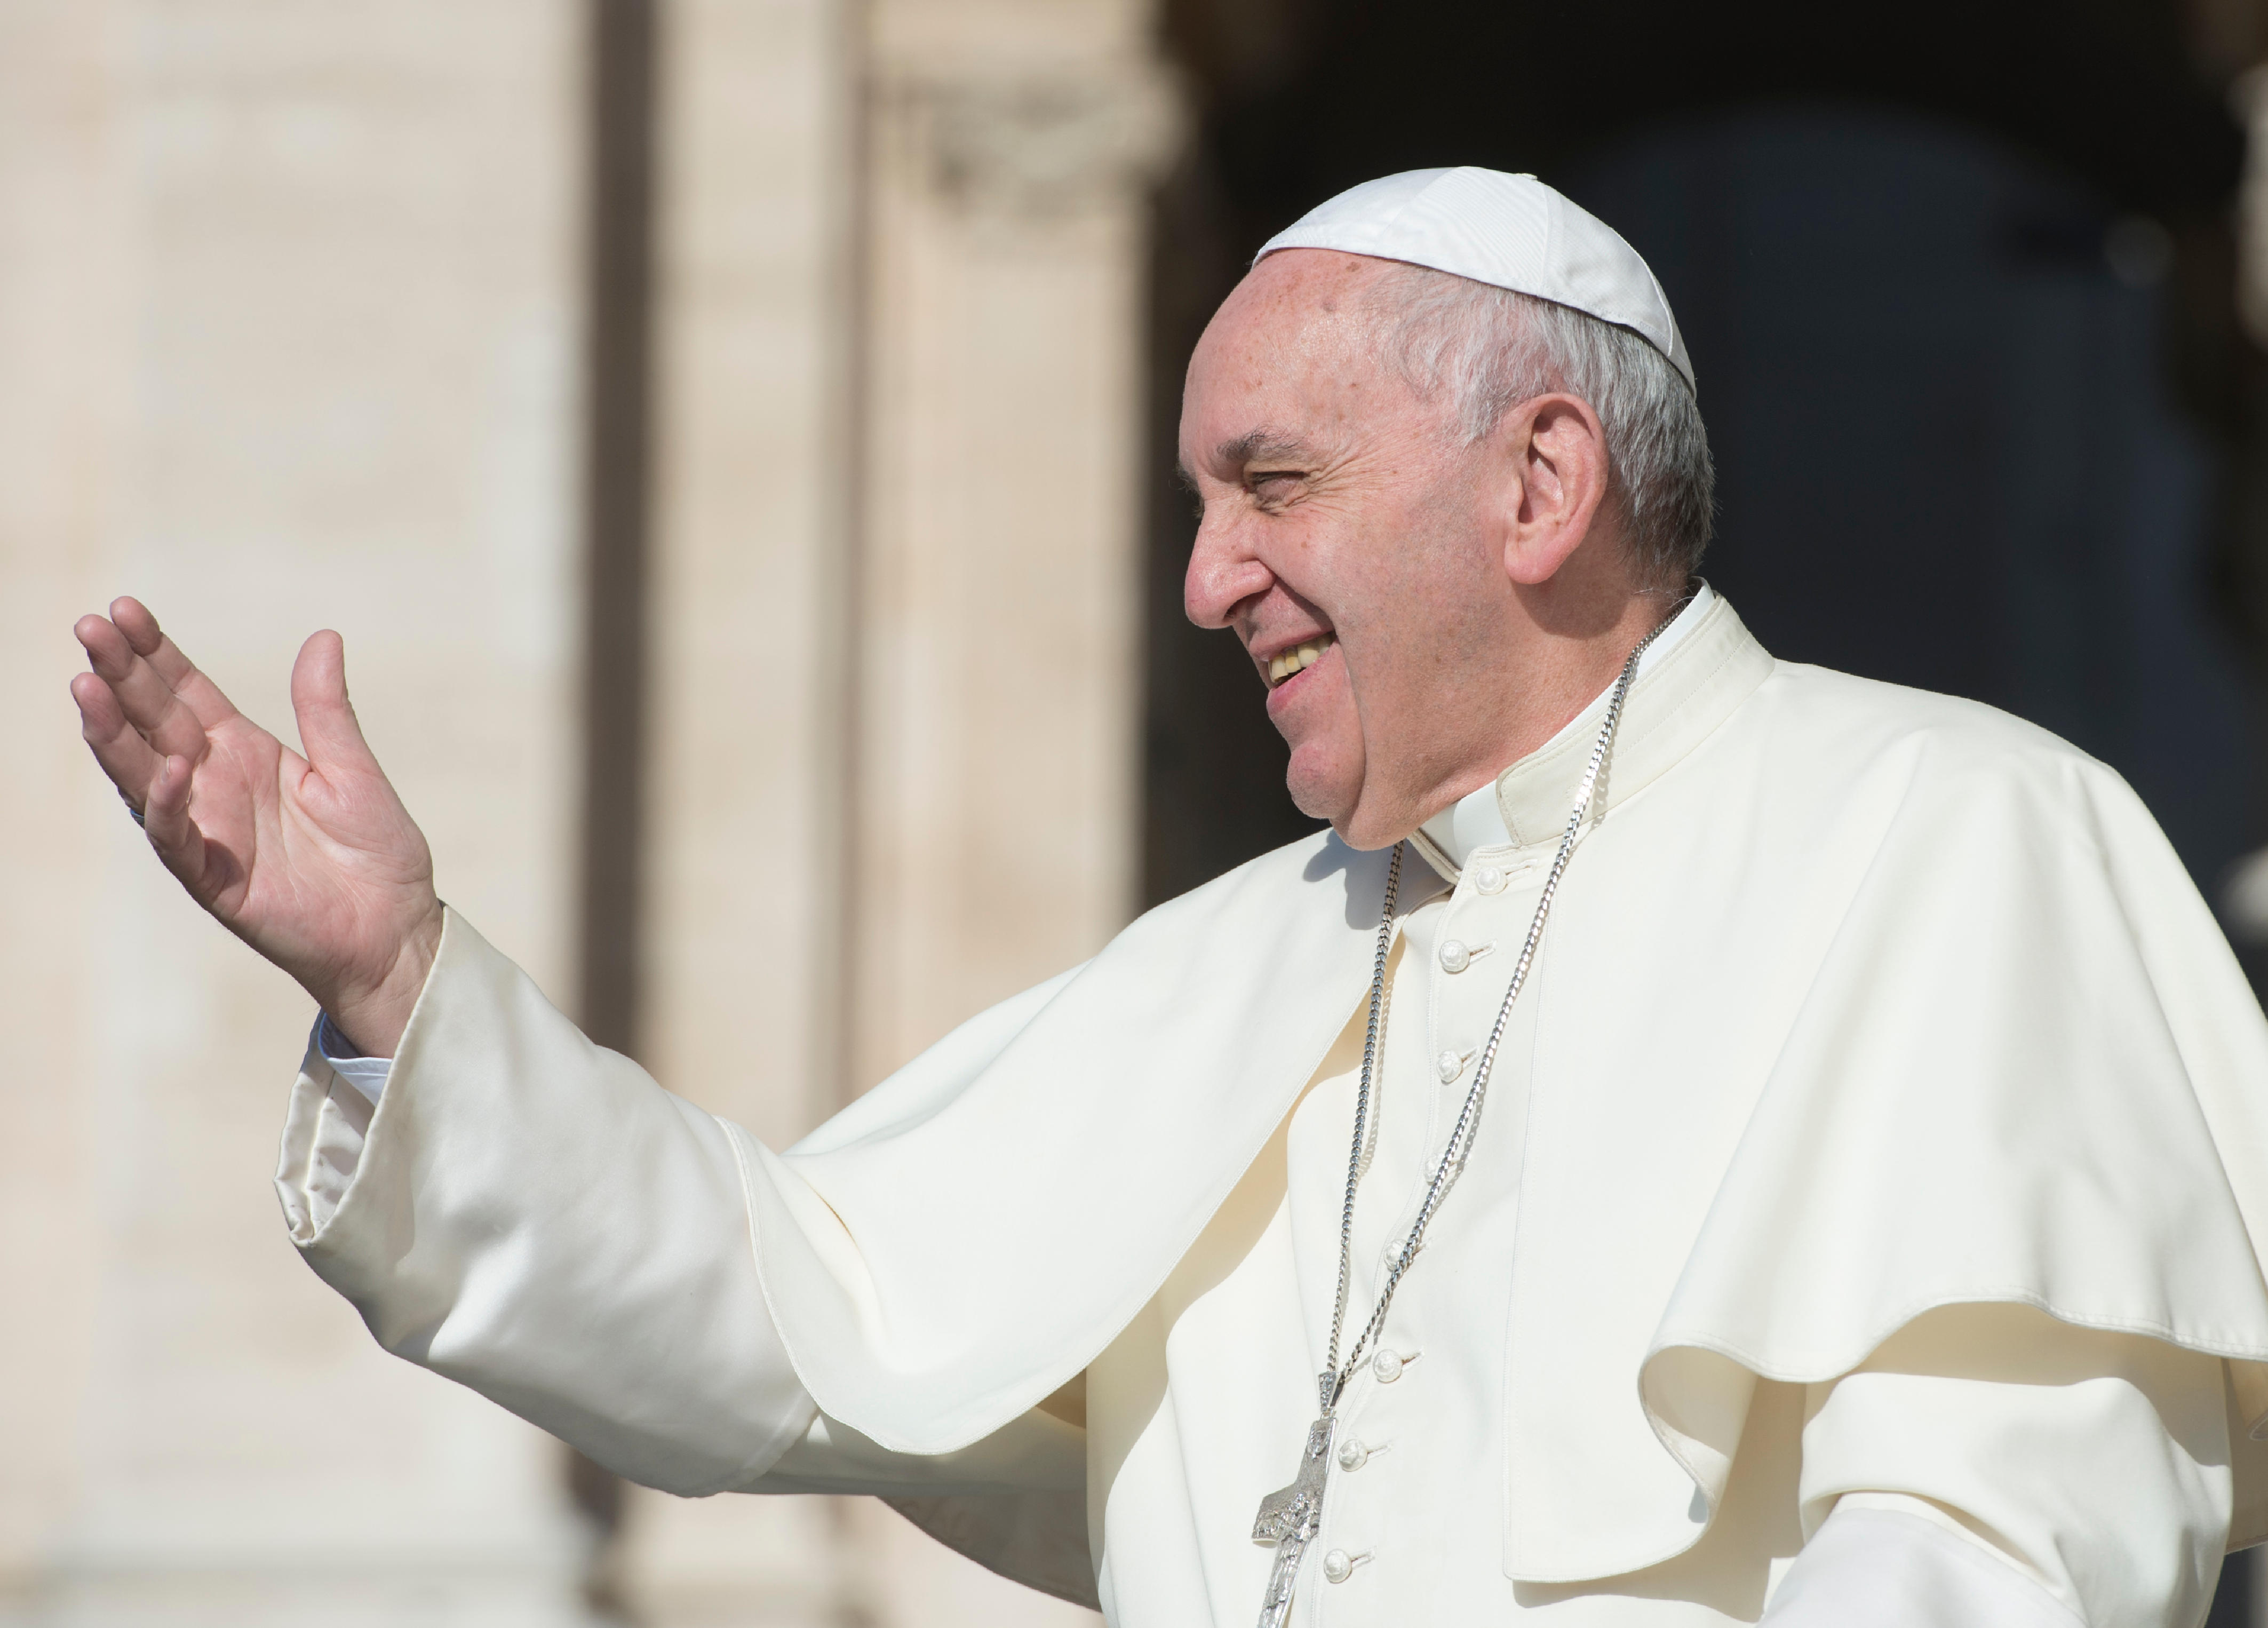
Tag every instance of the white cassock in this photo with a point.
(1864, 1223)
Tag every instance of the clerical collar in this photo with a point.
(1478, 820)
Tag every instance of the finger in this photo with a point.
(148, 702)
(328, 730)
(181, 676)
(136, 623)
(118, 746)
(165, 820)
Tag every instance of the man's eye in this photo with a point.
(1274, 483)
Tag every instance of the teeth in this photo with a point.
(1285, 663)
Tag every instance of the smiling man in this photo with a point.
(1699, 1138)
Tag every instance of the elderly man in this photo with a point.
(1698, 1139)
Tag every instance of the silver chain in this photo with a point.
(1332, 1381)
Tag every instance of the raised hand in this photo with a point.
(311, 861)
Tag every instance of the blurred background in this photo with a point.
(734, 437)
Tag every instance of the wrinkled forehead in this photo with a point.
(1296, 346)
(1314, 297)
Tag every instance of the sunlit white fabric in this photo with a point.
(1964, 1035)
(1878, 1567)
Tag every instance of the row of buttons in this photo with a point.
(1385, 1367)
(1455, 955)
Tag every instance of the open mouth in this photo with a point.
(1286, 663)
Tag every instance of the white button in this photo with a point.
(1488, 879)
(1448, 1065)
(1388, 1365)
(1338, 1566)
(1455, 956)
(1353, 1455)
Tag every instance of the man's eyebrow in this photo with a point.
(1259, 447)
(1253, 447)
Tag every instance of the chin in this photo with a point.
(1319, 792)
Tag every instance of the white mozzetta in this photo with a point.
(1971, 1041)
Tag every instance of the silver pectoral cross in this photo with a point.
(1290, 1517)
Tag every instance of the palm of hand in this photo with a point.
(312, 870)
(312, 860)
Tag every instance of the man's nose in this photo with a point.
(1223, 574)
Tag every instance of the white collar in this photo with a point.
(1476, 821)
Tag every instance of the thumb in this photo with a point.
(328, 732)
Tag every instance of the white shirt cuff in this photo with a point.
(367, 1075)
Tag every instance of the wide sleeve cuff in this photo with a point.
(2093, 1465)
(1875, 1566)
(530, 1215)
(324, 1128)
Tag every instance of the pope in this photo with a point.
(1698, 1139)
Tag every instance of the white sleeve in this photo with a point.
(1989, 1465)
(532, 1216)
(1875, 1565)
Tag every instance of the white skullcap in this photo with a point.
(1508, 230)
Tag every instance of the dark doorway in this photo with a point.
(1936, 373)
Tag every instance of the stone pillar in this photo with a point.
(894, 609)
(998, 598)
(748, 700)
(999, 595)
(287, 340)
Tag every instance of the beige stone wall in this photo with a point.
(287, 340)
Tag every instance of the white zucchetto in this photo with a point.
(1507, 230)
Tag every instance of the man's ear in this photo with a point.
(1558, 452)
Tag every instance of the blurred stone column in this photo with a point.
(747, 711)
(893, 758)
(996, 784)
(1012, 145)
(287, 340)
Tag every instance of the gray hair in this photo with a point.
(1491, 349)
